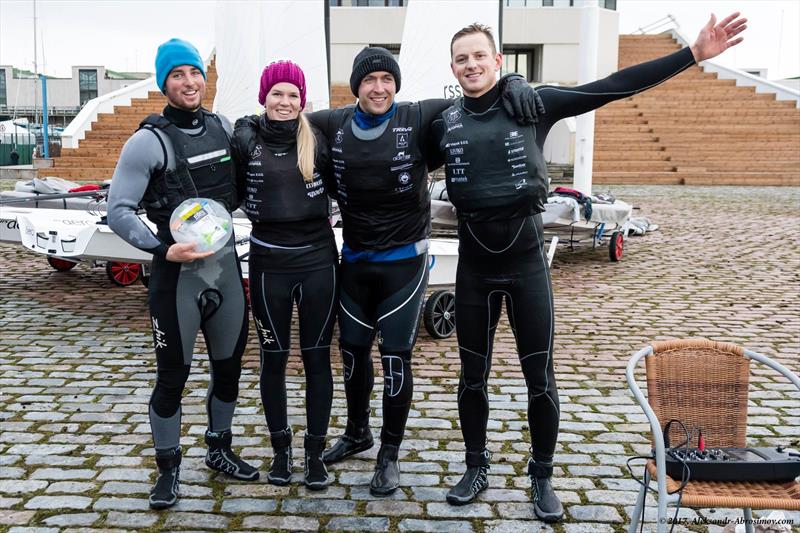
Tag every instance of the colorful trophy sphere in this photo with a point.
(202, 221)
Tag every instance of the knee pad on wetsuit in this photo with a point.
(209, 301)
(396, 371)
(353, 357)
(169, 386)
(226, 375)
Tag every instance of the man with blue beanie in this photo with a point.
(184, 153)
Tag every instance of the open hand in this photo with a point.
(716, 38)
(184, 253)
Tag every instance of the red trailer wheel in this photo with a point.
(62, 265)
(123, 274)
(615, 246)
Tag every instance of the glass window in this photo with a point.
(519, 61)
(87, 82)
(3, 99)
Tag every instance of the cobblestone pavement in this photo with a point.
(76, 372)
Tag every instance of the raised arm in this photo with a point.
(562, 102)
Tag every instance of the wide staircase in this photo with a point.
(97, 154)
(694, 129)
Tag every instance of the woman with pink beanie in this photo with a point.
(293, 260)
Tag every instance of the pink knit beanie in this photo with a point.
(282, 71)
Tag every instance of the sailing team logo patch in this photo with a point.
(404, 178)
(453, 116)
(339, 135)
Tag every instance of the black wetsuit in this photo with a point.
(293, 261)
(381, 187)
(204, 295)
(501, 248)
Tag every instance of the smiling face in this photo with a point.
(376, 92)
(283, 101)
(185, 87)
(474, 63)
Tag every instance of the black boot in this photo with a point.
(280, 470)
(474, 480)
(316, 475)
(221, 458)
(387, 472)
(165, 491)
(546, 504)
(354, 440)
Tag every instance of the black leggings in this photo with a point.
(202, 295)
(272, 297)
(505, 261)
(382, 300)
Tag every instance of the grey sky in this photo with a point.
(124, 34)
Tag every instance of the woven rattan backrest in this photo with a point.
(703, 384)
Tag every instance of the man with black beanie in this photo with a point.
(380, 151)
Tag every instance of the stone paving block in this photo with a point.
(121, 504)
(594, 513)
(281, 523)
(445, 510)
(9, 517)
(131, 520)
(63, 474)
(336, 507)
(21, 486)
(394, 508)
(58, 502)
(515, 526)
(195, 520)
(357, 524)
(75, 487)
(248, 505)
(77, 519)
(435, 526)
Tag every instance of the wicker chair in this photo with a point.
(704, 384)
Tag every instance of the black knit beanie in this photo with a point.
(373, 59)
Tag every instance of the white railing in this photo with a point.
(742, 78)
(76, 130)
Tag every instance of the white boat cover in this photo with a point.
(425, 49)
(251, 35)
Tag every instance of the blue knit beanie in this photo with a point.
(174, 53)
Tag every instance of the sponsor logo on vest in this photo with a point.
(521, 184)
(456, 151)
(453, 116)
(339, 135)
(402, 140)
(462, 142)
(256, 152)
(513, 134)
(404, 166)
(516, 150)
(401, 156)
(254, 163)
(404, 178)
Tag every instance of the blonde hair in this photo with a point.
(306, 148)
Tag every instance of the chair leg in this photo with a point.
(640, 503)
(748, 520)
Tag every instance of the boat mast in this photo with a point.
(35, 71)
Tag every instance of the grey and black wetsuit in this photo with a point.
(496, 179)
(184, 298)
(293, 261)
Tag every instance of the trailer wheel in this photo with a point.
(439, 314)
(123, 274)
(615, 246)
(62, 265)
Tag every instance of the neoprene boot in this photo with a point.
(387, 471)
(280, 470)
(546, 504)
(165, 491)
(316, 475)
(221, 458)
(354, 440)
(474, 480)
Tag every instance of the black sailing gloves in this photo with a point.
(520, 99)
